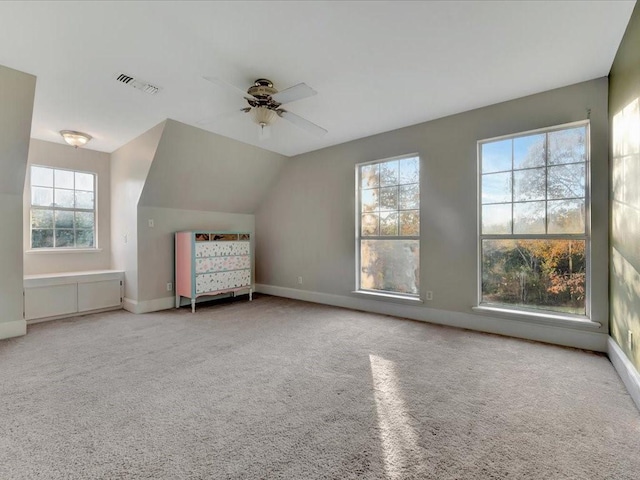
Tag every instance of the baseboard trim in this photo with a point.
(16, 328)
(626, 370)
(569, 337)
(148, 306)
(71, 315)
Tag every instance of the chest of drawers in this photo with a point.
(212, 263)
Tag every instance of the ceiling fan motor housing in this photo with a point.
(262, 89)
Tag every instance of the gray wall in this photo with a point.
(182, 178)
(306, 225)
(156, 245)
(624, 109)
(83, 159)
(130, 165)
(198, 170)
(17, 92)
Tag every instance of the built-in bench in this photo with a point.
(55, 295)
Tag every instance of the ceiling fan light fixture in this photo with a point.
(263, 116)
(75, 139)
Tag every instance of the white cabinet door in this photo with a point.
(95, 295)
(41, 302)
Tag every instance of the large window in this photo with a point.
(63, 213)
(534, 221)
(388, 226)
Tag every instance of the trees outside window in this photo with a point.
(63, 213)
(388, 226)
(534, 229)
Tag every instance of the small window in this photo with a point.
(533, 220)
(388, 226)
(63, 208)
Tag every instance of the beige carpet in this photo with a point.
(283, 389)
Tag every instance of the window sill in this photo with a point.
(46, 251)
(540, 318)
(388, 297)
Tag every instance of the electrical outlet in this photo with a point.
(429, 295)
(299, 280)
(126, 238)
(151, 223)
(169, 286)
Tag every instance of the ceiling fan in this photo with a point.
(265, 104)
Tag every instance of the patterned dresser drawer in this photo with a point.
(213, 282)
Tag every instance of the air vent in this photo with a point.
(124, 78)
(137, 84)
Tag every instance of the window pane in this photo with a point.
(389, 198)
(41, 218)
(84, 238)
(496, 156)
(42, 196)
(388, 223)
(64, 198)
(63, 179)
(84, 220)
(390, 265)
(389, 173)
(409, 197)
(64, 219)
(496, 219)
(410, 170)
(369, 224)
(496, 187)
(389, 206)
(566, 181)
(43, 177)
(369, 176)
(529, 151)
(84, 200)
(42, 238)
(64, 238)
(410, 223)
(529, 184)
(567, 146)
(84, 181)
(542, 274)
(528, 218)
(370, 200)
(566, 216)
(61, 225)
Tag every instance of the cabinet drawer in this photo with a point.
(222, 264)
(213, 282)
(221, 249)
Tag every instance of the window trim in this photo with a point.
(518, 310)
(384, 294)
(95, 247)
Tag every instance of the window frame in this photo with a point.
(586, 236)
(54, 208)
(384, 294)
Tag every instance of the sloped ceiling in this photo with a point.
(16, 106)
(197, 170)
(377, 66)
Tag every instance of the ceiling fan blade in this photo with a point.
(221, 83)
(302, 123)
(291, 94)
(223, 116)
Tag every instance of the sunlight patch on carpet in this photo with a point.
(400, 449)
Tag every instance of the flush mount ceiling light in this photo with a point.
(75, 139)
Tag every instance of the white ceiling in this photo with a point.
(376, 66)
